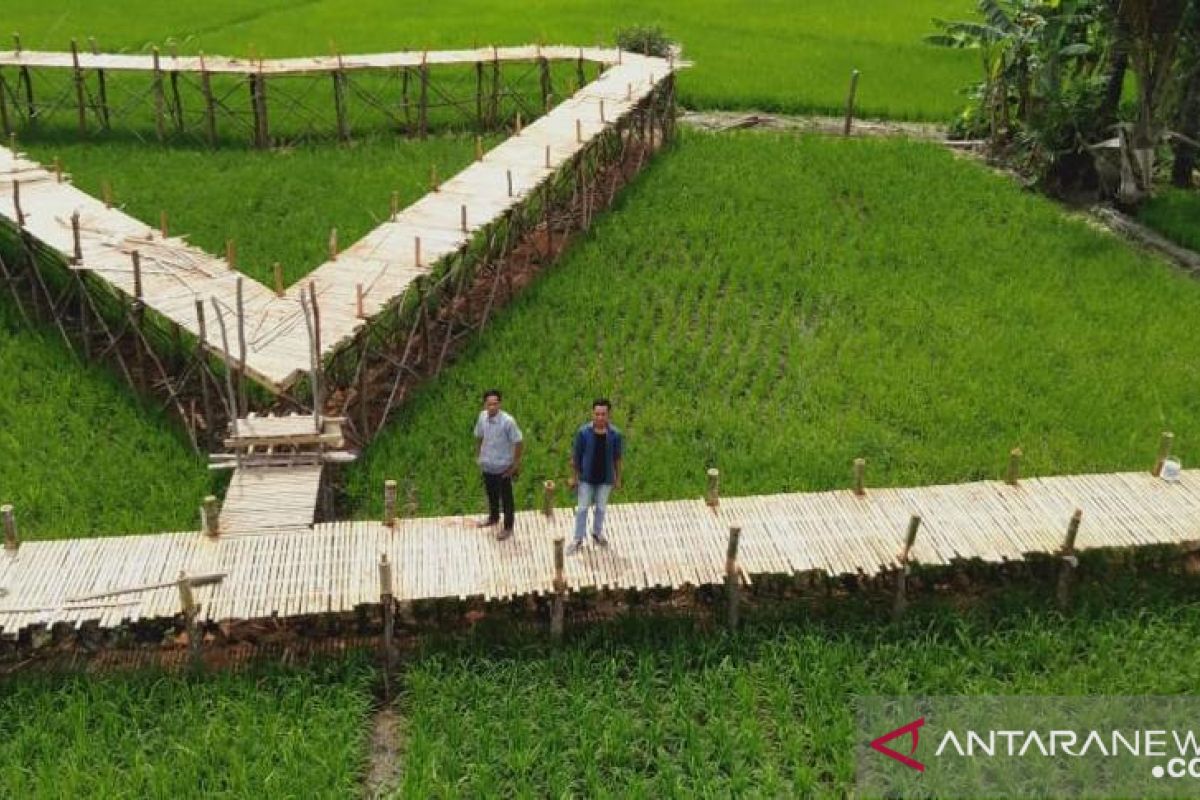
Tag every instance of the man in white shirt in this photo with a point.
(499, 456)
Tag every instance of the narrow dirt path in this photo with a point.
(386, 745)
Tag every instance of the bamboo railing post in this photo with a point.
(387, 601)
(494, 112)
(433, 178)
(160, 125)
(860, 470)
(548, 499)
(239, 291)
(16, 194)
(277, 268)
(547, 89)
(547, 156)
(77, 74)
(1164, 452)
(417, 251)
(1068, 563)
(508, 174)
(231, 253)
(558, 609)
(58, 170)
(849, 123)
(163, 229)
(479, 148)
(395, 206)
(900, 602)
(206, 401)
(732, 595)
(358, 300)
(106, 193)
(463, 217)
(210, 106)
(76, 243)
(1013, 476)
(479, 118)
(318, 398)
(11, 542)
(5, 123)
(389, 503)
(101, 87)
(333, 244)
(138, 308)
(339, 101)
(423, 102)
(211, 514)
(187, 604)
(712, 496)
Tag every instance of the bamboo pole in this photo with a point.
(211, 516)
(1013, 476)
(16, 195)
(76, 243)
(358, 300)
(160, 126)
(77, 75)
(187, 603)
(389, 503)
(106, 193)
(395, 206)
(417, 250)
(387, 601)
(209, 417)
(849, 123)
(1068, 563)
(210, 106)
(277, 268)
(423, 101)
(732, 595)
(900, 602)
(163, 229)
(11, 541)
(558, 608)
(712, 497)
(333, 244)
(463, 216)
(860, 469)
(5, 122)
(339, 101)
(1164, 452)
(548, 499)
(231, 253)
(101, 88)
(241, 340)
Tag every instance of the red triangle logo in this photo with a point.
(913, 728)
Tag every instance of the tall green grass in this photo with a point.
(79, 456)
(651, 708)
(779, 55)
(777, 307)
(1175, 213)
(270, 733)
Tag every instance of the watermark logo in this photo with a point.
(911, 729)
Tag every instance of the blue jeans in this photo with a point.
(590, 493)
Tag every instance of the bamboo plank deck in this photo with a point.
(384, 262)
(279, 566)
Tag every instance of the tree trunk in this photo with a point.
(1118, 65)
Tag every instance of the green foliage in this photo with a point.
(778, 306)
(1174, 213)
(650, 40)
(271, 733)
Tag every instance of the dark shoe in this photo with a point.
(487, 523)
(504, 533)
(600, 539)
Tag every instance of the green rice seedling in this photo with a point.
(1175, 213)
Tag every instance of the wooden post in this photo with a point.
(508, 174)
(231, 253)
(386, 600)
(578, 132)
(1069, 562)
(1164, 452)
(241, 340)
(5, 123)
(1013, 477)
(547, 89)
(187, 604)
(101, 87)
(602, 109)
(339, 102)
(558, 609)
(712, 497)
(423, 107)
(58, 170)
(389, 503)
(277, 268)
(395, 209)
(160, 125)
(850, 103)
(80, 106)
(417, 250)
(210, 106)
(463, 216)
(17, 204)
(901, 600)
(548, 499)
(136, 258)
(479, 148)
(494, 112)
(580, 78)
(211, 514)
(106, 194)
(76, 244)
(479, 118)
(860, 470)
(176, 98)
(517, 124)
(11, 542)
(358, 300)
(732, 596)
(333, 244)
(163, 229)
(209, 417)
(547, 156)
(433, 178)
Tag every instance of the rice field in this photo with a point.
(778, 55)
(778, 306)
(1175, 213)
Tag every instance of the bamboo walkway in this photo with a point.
(334, 567)
(359, 281)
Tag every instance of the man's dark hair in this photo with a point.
(602, 402)
(492, 393)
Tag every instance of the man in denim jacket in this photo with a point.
(596, 470)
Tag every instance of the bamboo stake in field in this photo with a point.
(210, 106)
(1068, 563)
(231, 253)
(101, 87)
(389, 503)
(240, 296)
(1013, 476)
(106, 193)
(277, 268)
(732, 596)
(508, 174)
(187, 603)
(848, 124)
(231, 401)
(160, 126)
(1164, 452)
(712, 497)
(548, 499)
(386, 600)
(901, 599)
(358, 300)
(333, 244)
(395, 205)
(417, 251)
(11, 542)
(433, 179)
(76, 244)
(163, 229)
(16, 194)
(312, 326)
(558, 608)
(77, 75)
(463, 216)
(211, 515)
(860, 470)
(479, 148)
